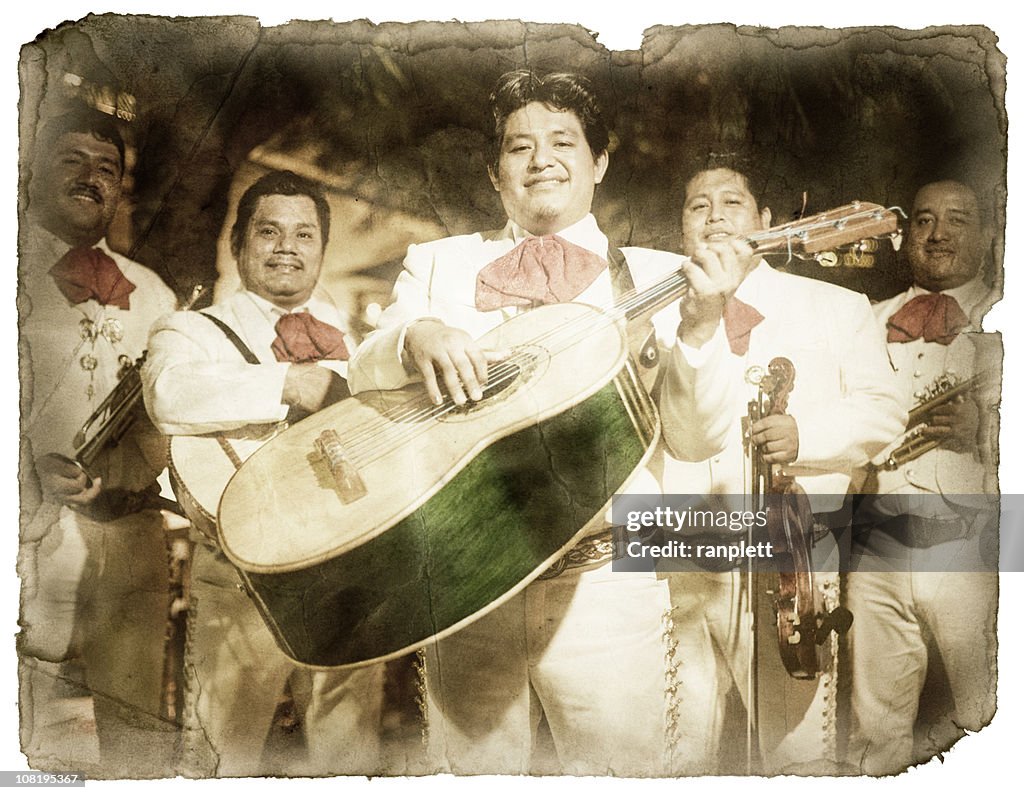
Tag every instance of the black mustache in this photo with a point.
(87, 189)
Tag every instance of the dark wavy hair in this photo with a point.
(84, 120)
(560, 91)
(743, 164)
(285, 183)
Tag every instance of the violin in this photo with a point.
(801, 620)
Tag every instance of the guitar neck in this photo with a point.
(641, 303)
(805, 239)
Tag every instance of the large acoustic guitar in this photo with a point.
(383, 522)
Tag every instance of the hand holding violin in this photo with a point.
(777, 437)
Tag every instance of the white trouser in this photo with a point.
(588, 649)
(796, 717)
(897, 615)
(106, 585)
(235, 677)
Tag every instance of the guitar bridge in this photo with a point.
(346, 477)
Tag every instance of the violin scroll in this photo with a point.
(801, 620)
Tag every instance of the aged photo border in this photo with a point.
(990, 753)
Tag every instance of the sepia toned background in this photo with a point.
(394, 120)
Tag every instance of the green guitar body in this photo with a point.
(494, 518)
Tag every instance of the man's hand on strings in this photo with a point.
(450, 356)
(714, 272)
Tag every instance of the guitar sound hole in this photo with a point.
(503, 378)
(508, 373)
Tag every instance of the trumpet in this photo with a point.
(105, 427)
(948, 386)
(119, 409)
(114, 416)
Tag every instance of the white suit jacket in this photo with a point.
(56, 386)
(196, 381)
(917, 365)
(845, 400)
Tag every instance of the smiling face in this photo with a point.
(282, 250)
(719, 205)
(79, 187)
(546, 172)
(944, 236)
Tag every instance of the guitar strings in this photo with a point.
(367, 439)
(554, 341)
(419, 409)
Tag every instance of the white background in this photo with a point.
(979, 763)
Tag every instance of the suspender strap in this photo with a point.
(618, 270)
(622, 282)
(233, 337)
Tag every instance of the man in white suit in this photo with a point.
(587, 648)
(740, 313)
(94, 549)
(921, 588)
(271, 353)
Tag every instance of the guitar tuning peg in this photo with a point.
(827, 258)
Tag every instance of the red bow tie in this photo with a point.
(540, 270)
(302, 338)
(933, 317)
(740, 319)
(88, 272)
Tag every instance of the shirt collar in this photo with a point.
(321, 309)
(585, 234)
(45, 246)
(269, 310)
